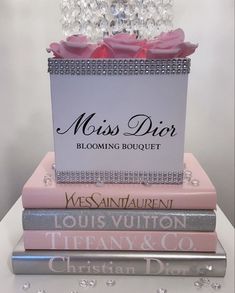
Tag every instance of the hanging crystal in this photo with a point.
(104, 24)
(96, 18)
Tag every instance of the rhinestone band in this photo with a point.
(119, 177)
(118, 66)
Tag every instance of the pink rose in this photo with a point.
(76, 46)
(169, 45)
(162, 53)
(165, 46)
(167, 40)
(186, 49)
(124, 45)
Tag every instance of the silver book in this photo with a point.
(118, 263)
(106, 219)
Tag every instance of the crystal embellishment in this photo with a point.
(198, 284)
(146, 183)
(146, 18)
(216, 286)
(209, 267)
(187, 173)
(195, 182)
(99, 183)
(205, 281)
(83, 283)
(41, 291)
(92, 283)
(119, 177)
(110, 283)
(26, 286)
(125, 67)
(161, 290)
(47, 179)
(187, 176)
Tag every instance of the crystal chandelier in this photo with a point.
(98, 18)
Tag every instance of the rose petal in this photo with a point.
(177, 34)
(102, 52)
(124, 36)
(55, 48)
(167, 40)
(124, 39)
(77, 51)
(73, 45)
(141, 54)
(77, 39)
(186, 49)
(124, 45)
(123, 51)
(162, 53)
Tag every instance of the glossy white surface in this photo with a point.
(11, 230)
(27, 27)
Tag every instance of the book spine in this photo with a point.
(62, 199)
(149, 264)
(121, 240)
(104, 219)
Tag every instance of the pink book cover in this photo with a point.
(41, 193)
(120, 240)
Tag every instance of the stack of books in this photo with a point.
(119, 229)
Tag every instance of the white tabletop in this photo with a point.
(11, 231)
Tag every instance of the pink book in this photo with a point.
(120, 240)
(41, 191)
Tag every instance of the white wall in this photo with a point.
(26, 29)
(210, 111)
